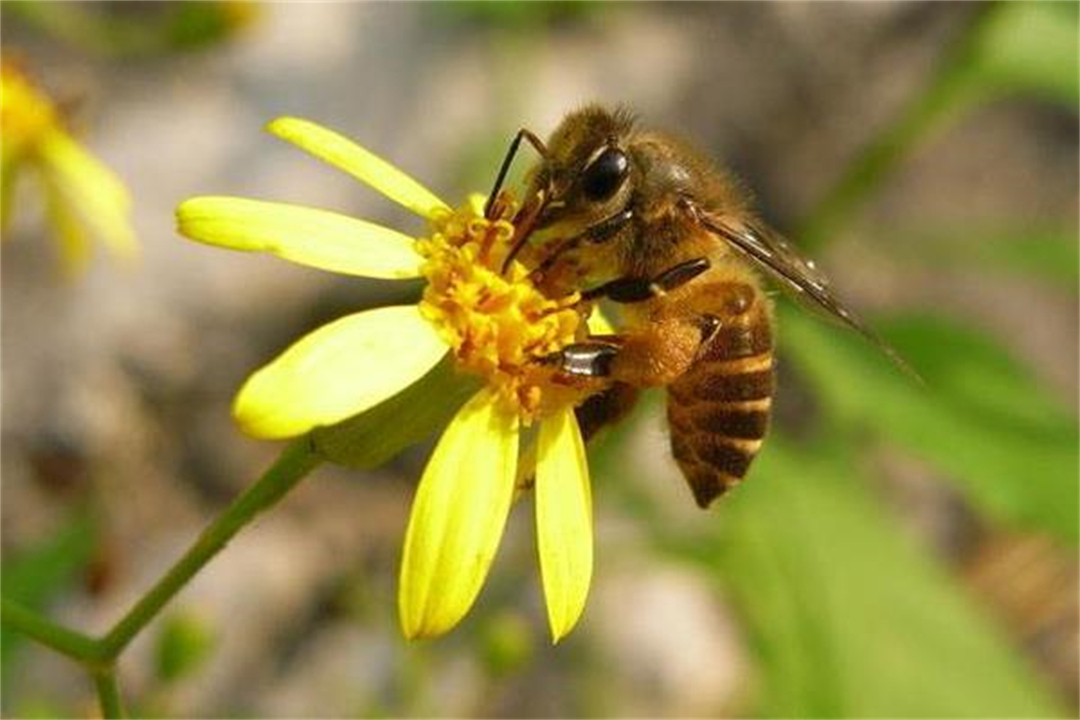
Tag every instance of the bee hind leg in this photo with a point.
(652, 355)
(590, 358)
(643, 357)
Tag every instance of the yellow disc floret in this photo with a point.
(498, 325)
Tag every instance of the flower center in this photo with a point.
(498, 324)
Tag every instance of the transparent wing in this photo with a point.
(781, 261)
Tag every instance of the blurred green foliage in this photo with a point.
(1024, 47)
(38, 573)
(1050, 256)
(980, 418)
(132, 29)
(517, 16)
(184, 643)
(846, 616)
(1012, 49)
(507, 642)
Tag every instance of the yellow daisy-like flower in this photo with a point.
(495, 325)
(82, 196)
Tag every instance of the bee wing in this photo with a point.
(769, 251)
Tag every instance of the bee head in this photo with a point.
(587, 173)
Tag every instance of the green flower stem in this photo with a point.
(99, 655)
(295, 462)
(108, 693)
(74, 644)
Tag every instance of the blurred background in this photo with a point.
(896, 551)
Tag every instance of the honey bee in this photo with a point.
(637, 217)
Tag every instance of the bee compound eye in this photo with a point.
(605, 174)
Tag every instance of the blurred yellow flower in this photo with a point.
(496, 325)
(82, 196)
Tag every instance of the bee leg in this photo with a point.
(658, 352)
(591, 359)
(649, 356)
(606, 228)
(598, 233)
(605, 408)
(634, 290)
(680, 274)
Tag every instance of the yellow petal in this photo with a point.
(457, 518)
(526, 469)
(599, 324)
(92, 190)
(365, 166)
(563, 520)
(341, 369)
(476, 203)
(73, 246)
(305, 235)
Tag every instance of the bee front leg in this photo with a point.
(635, 289)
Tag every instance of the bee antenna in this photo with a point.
(536, 142)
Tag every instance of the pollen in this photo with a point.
(498, 325)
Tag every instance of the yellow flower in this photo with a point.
(81, 194)
(495, 326)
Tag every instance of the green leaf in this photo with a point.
(848, 618)
(1029, 47)
(520, 16)
(1050, 255)
(377, 435)
(1053, 257)
(981, 418)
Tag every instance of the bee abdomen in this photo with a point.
(719, 410)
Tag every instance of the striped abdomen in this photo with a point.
(718, 411)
